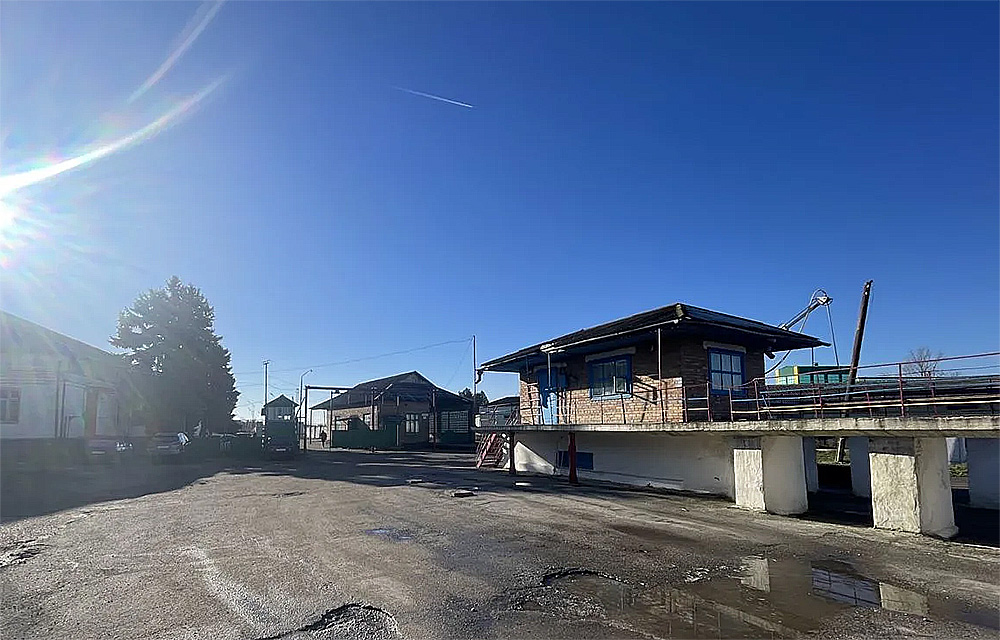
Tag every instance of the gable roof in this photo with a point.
(281, 401)
(18, 334)
(679, 317)
(25, 343)
(410, 386)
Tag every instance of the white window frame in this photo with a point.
(411, 423)
(10, 405)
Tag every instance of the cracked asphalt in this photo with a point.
(342, 544)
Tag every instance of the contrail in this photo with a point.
(193, 30)
(434, 97)
(16, 181)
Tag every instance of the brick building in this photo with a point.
(401, 411)
(678, 363)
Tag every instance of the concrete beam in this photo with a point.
(769, 474)
(984, 472)
(911, 486)
(972, 426)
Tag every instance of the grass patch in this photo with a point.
(829, 456)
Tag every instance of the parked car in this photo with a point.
(168, 445)
(108, 449)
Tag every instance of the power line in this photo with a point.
(353, 360)
(460, 363)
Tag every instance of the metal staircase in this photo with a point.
(493, 451)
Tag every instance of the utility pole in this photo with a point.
(852, 375)
(266, 362)
(474, 381)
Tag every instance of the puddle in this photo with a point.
(766, 598)
(396, 535)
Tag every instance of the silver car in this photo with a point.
(168, 445)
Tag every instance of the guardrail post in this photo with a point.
(684, 401)
(708, 399)
(902, 407)
(756, 395)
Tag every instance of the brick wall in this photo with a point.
(685, 372)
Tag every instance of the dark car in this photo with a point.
(108, 449)
(168, 446)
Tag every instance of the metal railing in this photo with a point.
(943, 387)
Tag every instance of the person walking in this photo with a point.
(322, 437)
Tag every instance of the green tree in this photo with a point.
(181, 372)
(478, 401)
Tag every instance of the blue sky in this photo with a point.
(618, 157)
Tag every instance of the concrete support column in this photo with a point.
(983, 456)
(809, 461)
(861, 477)
(769, 474)
(911, 485)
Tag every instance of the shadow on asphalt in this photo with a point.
(27, 492)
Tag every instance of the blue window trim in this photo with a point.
(743, 372)
(628, 378)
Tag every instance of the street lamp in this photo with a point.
(305, 410)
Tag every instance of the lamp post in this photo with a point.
(305, 410)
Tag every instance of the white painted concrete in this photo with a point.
(861, 477)
(770, 475)
(784, 475)
(911, 485)
(809, 460)
(984, 472)
(956, 450)
(748, 471)
(695, 463)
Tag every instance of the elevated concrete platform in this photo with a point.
(922, 427)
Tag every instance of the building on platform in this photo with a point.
(607, 389)
(398, 412)
(676, 398)
(280, 409)
(55, 391)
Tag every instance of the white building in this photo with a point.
(54, 388)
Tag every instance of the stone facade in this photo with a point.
(679, 396)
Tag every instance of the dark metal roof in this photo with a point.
(407, 387)
(511, 400)
(281, 401)
(680, 318)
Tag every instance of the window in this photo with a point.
(455, 421)
(10, 405)
(725, 371)
(611, 378)
(413, 423)
(584, 460)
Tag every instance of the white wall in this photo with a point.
(698, 463)
(38, 412)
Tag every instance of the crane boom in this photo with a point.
(819, 299)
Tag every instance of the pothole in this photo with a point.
(764, 598)
(396, 535)
(348, 622)
(19, 552)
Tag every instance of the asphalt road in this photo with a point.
(359, 545)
